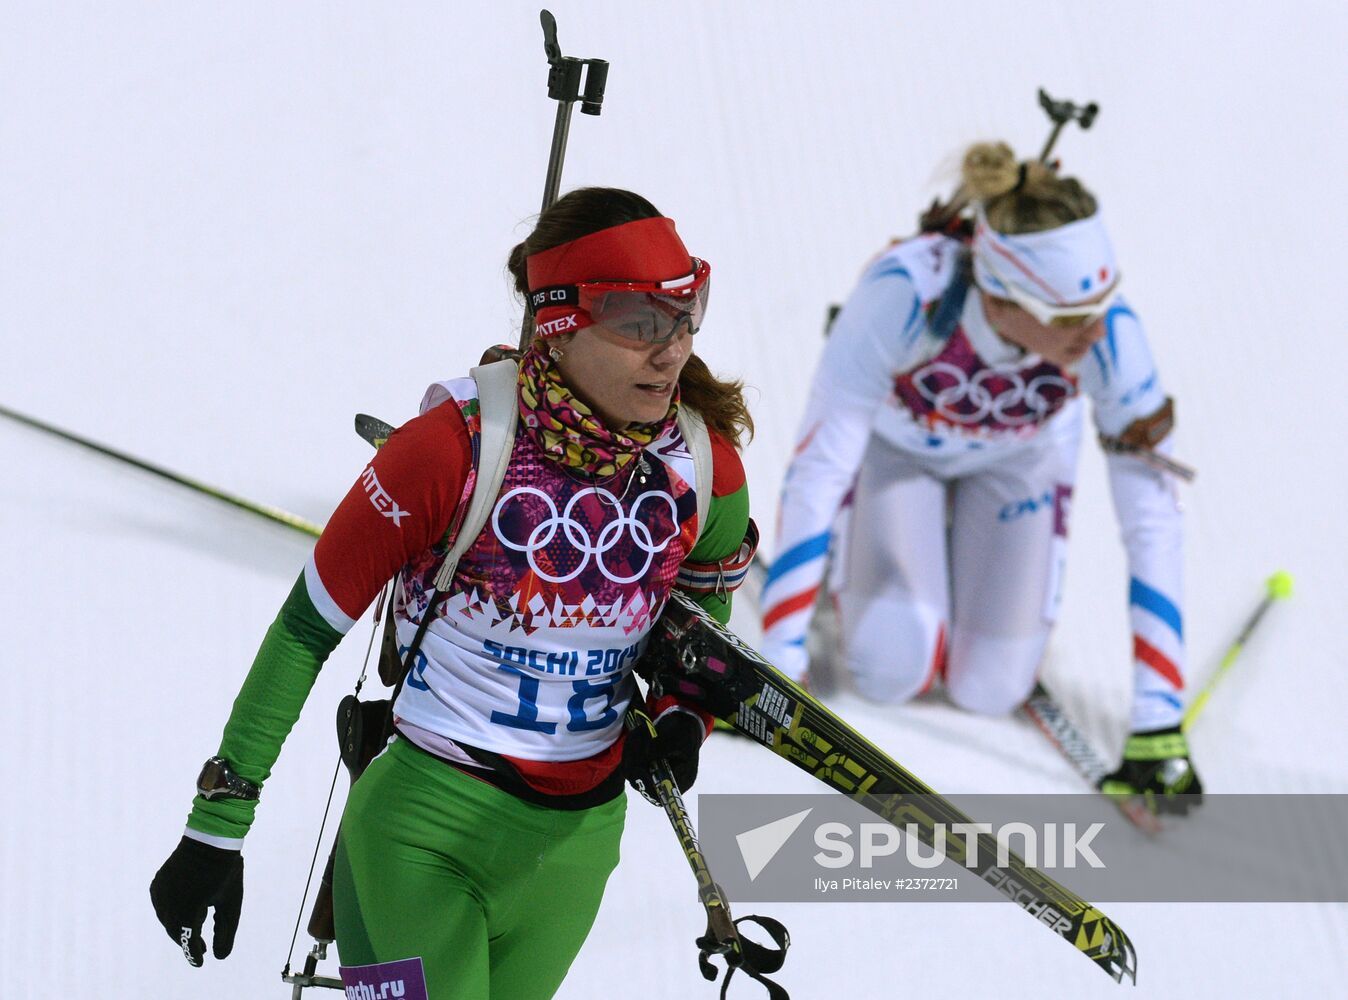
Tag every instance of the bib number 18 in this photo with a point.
(584, 691)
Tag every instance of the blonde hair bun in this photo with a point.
(989, 169)
(1026, 197)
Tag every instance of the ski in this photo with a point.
(694, 656)
(1049, 718)
(1041, 709)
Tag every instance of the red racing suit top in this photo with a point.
(527, 666)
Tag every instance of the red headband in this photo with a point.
(644, 250)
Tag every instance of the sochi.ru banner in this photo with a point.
(1232, 848)
(401, 980)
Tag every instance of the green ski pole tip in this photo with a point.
(1280, 584)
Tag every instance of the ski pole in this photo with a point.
(564, 87)
(666, 792)
(1277, 587)
(243, 503)
(722, 936)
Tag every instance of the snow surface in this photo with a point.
(226, 228)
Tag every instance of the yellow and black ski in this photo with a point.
(694, 656)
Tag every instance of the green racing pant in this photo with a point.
(494, 895)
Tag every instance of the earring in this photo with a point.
(555, 353)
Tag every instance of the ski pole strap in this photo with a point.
(753, 959)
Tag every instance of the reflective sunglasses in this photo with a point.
(650, 312)
(1060, 317)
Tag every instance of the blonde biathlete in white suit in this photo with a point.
(957, 441)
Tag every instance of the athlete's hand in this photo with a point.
(677, 738)
(194, 877)
(1156, 767)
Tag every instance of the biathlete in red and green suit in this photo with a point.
(475, 849)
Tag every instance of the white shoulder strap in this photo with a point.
(694, 430)
(499, 414)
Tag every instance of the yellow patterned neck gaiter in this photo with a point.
(569, 431)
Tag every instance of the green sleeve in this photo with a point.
(727, 522)
(279, 681)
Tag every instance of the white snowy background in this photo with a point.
(225, 228)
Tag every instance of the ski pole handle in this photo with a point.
(1279, 586)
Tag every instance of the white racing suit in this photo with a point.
(959, 457)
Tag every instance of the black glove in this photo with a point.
(1157, 768)
(194, 877)
(677, 738)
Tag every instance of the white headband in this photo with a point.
(1064, 266)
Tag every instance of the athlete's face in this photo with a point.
(1063, 346)
(624, 381)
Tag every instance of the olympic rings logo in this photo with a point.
(626, 523)
(946, 387)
